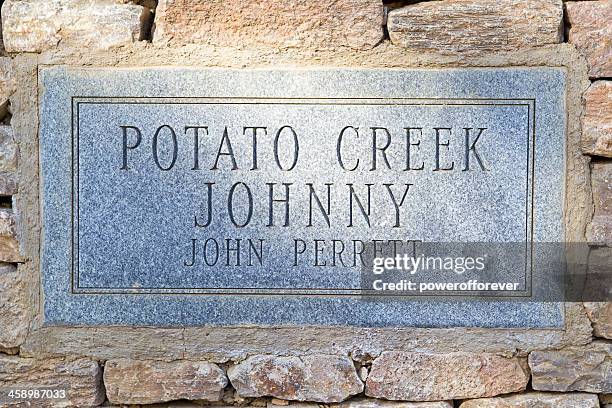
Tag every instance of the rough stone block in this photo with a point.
(150, 4)
(452, 26)
(599, 231)
(587, 369)
(174, 404)
(601, 182)
(596, 290)
(597, 119)
(275, 23)
(8, 184)
(81, 378)
(592, 284)
(2, 50)
(7, 223)
(39, 25)
(536, 400)
(591, 32)
(319, 378)
(9, 249)
(7, 85)
(8, 149)
(9, 246)
(375, 403)
(147, 382)
(600, 314)
(432, 377)
(13, 307)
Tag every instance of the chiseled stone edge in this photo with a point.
(106, 342)
(222, 344)
(24, 103)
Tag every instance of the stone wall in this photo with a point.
(339, 366)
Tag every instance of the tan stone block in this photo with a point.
(459, 26)
(9, 250)
(599, 231)
(7, 223)
(276, 23)
(8, 150)
(294, 404)
(81, 378)
(591, 32)
(601, 183)
(13, 307)
(416, 376)
(176, 404)
(599, 290)
(8, 184)
(597, 119)
(278, 402)
(150, 4)
(536, 400)
(7, 85)
(600, 314)
(376, 403)
(591, 284)
(9, 246)
(2, 50)
(39, 25)
(148, 382)
(319, 378)
(587, 369)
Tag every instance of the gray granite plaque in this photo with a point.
(217, 196)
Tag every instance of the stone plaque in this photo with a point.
(217, 196)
